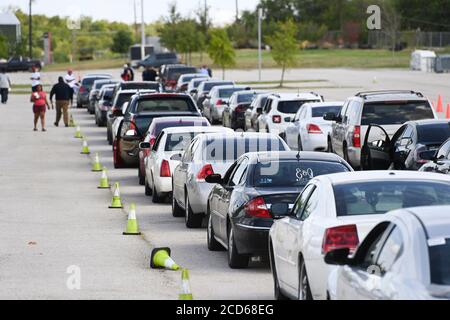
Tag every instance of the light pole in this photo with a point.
(260, 17)
(30, 30)
(142, 31)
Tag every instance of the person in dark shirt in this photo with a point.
(149, 74)
(64, 94)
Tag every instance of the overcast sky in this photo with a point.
(222, 11)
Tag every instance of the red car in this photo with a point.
(155, 129)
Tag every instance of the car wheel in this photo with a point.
(213, 244)
(300, 145)
(118, 164)
(177, 211)
(109, 136)
(141, 176)
(304, 290)
(148, 190)
(193, 221)
(276, 284)
(79, 105)
(156, 198)
(235, 260)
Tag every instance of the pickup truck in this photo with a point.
(20, 64)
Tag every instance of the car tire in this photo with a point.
(118, 163)
(79, 105)
(235, 260)
(278, 294)
(148, 190)
(213, 244)
(304, 290)
(109, 136)
(177, 211)
(156, 198)
(141, 177)
(193, 221)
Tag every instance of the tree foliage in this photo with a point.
(220, 49)
(122, 41)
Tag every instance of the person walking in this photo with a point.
(130, 71)
(5, 85)
(204, 70)
(63, 93)
(39, 100)
(35, 78)
(149, 74)
(126, 76)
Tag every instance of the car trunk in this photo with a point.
(364, 223)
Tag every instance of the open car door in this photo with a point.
(376, 152)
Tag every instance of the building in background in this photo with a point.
(10, 27)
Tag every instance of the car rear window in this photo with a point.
(227, 93)
(433, 133)
(440, 263)
(395, 113)
(139, 86)
(166, 104)
(209, 85)
(292, 173)
(122, 98)
(108, 95)
(229, 149)
(175, 73)
(379, 197)
(291, 106)
(245, 98)
(319, 112)
(177, 124)
(89, 82)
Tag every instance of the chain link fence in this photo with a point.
(412, 39)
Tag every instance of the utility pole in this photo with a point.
(136, 32)
(30, 30)
(142, 30)
(260, 16)
(237, 10)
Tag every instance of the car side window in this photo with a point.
(301, 201)
(187, 157)
(158, 142)
(311, 205)
(268, 106)
(390, 251)
(406, 137)
(344, 109)
(352, 112)
(236, 176)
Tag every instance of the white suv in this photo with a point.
(389, 109)
(280, 109)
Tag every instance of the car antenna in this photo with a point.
(298, 156)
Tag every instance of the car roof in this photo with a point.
(224, 87)
(146, 91)
(294, 155)
(434, 219)
(245, 92)
(242, 135)
(99, 75)
(198, 75)
(196, 129)
(296, 96)
(179, 119)
(367, 176)
(325, 104)
(164, 95)
(428, 122)
(390, 95)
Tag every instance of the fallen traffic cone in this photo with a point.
(440, 106)
(447, 116)
(85, 149)
(132, 224)
(71, 122)
(161, 259)
(78, 133)
(104, 183)
(96, 166)
(116, 201)
(186, 293)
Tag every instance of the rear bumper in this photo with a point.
(163, 184)
(238, 120)
(315, 142)
(354, 156)
(251, 240)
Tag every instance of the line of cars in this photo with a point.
(277, 181)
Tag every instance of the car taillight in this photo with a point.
(257, 208)
(82, 89)
(165, 169)
(276, 119)
(340, 237)
(357, 137)
(207, 170)
(152, 141)
(240, 108)
(220, 102)
(313, 129)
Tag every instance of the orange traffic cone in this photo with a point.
(440, 105)
(447, 116)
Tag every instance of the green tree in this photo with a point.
(122, 41)
(3, 47)
(220, 49)
(284, 46)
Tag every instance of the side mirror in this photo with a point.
(176, 157)
(117, 113)
(193, 91)
(338, 257)
(145, 145)
(279, 210)
(259, 110)
(214, 179)
(330, 116)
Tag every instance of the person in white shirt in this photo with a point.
(70, 79)
(5, 85)
(35, 79)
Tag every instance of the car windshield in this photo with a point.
(209, 85)
(229, 149)
(379, 197)
(292, 173)
(433, 133)
(440, 263)
(165, 104)
(395, 113)
(227, 93)
(319, 112)
(291, 106)
(177, 124)
(122, 98)
(89, 82)
(175, 73)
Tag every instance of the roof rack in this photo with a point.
(380, 92)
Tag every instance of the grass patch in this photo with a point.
(87, 65)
